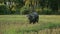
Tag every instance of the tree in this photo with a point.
(54, 5)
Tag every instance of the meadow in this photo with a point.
(19, 24)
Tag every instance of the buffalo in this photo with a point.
(33, 17)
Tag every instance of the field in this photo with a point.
(19, 24)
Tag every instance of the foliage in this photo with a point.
(3, 9)
(25, 6)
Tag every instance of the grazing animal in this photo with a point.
(33, 17)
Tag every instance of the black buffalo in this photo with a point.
(33, 17)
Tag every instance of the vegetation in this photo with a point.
(18, 24)
(13, 19)
(26, 6)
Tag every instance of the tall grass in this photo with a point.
(18, 24)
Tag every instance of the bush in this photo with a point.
(4, 10)
(25, 10)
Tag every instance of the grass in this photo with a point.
(17, 24)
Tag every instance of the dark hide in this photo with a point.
(33, 17)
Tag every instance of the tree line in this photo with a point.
(48, 7)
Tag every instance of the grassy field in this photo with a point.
(19, 24)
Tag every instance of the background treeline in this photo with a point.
(48, 7)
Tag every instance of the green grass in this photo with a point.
(17, 24)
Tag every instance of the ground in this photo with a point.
(19, 24)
